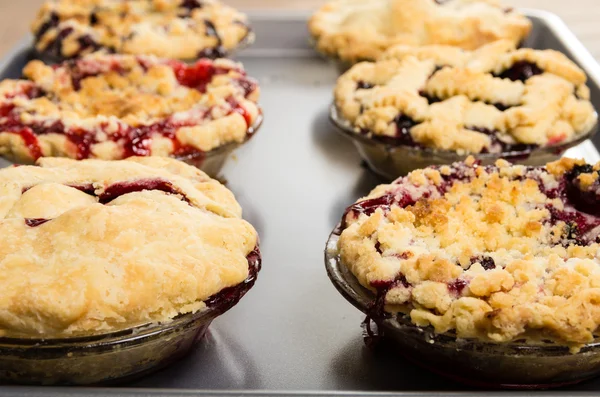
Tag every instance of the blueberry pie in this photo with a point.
(490, 252)
(355, 30)
(95, 246)
(180, 29)
(495, 99)
(116, 106)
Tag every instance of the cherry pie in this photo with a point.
(493, 100)
(490, 252)
(180, 29)
(95, 246)
(115, 106)
(355, 30)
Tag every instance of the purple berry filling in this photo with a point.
(521, 71)
(190, 4)
(364, 85)
(49, 24)
(502, 146)
(486, 262)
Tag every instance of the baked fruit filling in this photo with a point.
(116, 106)
(498, 253)
(357, 30)
(98, 246)
(496, 99)
(180, 29)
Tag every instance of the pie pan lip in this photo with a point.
(392, 161)
(138, 350)
(511, 365)
(213, 161)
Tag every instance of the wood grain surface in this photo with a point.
(582, 16)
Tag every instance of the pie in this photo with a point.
(495, 99)
(179, 29)
(97, 246)
(357, 30)
(115, 106)
(496, 253)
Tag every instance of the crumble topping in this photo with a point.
(492, 100)
(355, 30)
(96, 246)
(115, 106)
(180, 29)
(493, 252)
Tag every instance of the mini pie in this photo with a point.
(492, 100)
(356, 30)
(116, 106)
(95, 246)
(180, 29)
(490, 252)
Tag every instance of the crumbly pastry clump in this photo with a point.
(180, 29)
(491, 100)
(356, 30)
(496, 252)
(116, 106)
(95, 246)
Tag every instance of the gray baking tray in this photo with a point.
(294, 333)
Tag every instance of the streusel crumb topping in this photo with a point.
(95, 246)
(116, 106)
(490, 252)
(495, 99)
(180, 29)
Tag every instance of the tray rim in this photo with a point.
(552, 21)
(30, 391)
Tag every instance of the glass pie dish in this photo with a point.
(118, 356)
(523, 364)
(391, 161)
(212, 162)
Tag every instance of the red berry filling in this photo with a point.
(229, 296)
(118, 189)
(33, 222)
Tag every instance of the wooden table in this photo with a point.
(582, 16)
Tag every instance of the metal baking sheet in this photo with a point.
(294, 331)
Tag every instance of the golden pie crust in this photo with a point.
(80, 255)
(486, 100)
(358, 30)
